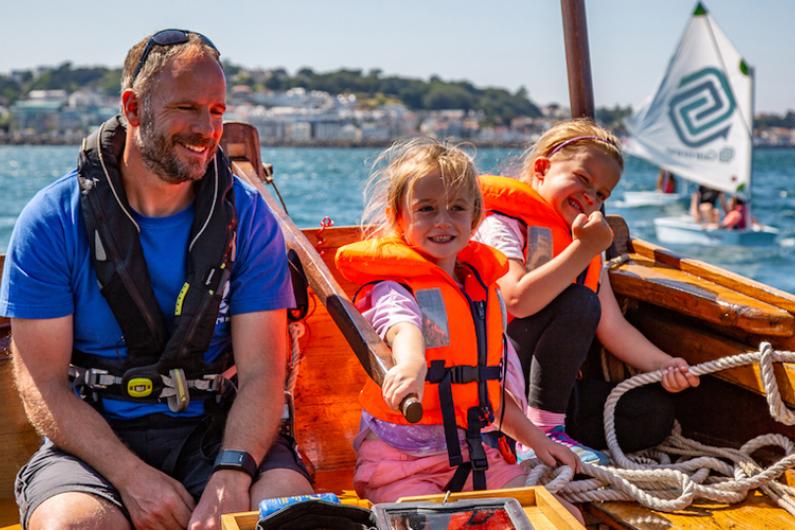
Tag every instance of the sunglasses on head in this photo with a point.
(167, 37)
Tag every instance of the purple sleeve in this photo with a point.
(390, 303)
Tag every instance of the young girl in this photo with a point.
(549, 225)
(431, 294)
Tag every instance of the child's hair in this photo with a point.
(398, 167)
(565, 138)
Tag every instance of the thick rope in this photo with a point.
(671, 476)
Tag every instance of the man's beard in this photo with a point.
(159, 155)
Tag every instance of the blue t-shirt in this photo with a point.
(49, 273)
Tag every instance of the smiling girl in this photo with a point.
(431, 294)
(549, 225)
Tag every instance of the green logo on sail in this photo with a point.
(702, 106)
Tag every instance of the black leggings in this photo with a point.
(552, 346)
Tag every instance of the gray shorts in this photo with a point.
(184, 449)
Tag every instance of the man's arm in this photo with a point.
(41, 350)
(260, 344)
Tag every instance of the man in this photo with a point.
(129, 283)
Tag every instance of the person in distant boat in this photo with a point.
(431, 294)
(704, 205)
(666, 181)
(137, 285)
(737, 216)
(549, 225)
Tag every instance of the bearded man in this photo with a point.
(147, 291)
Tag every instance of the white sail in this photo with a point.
(698, 123)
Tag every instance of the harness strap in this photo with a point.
(148, 388)
(437, 373)
(445, 377)
(477, 454)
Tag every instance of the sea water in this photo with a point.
(328, 182)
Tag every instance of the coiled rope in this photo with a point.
(653, 479)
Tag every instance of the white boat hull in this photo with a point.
(638, 199)
(685, 231)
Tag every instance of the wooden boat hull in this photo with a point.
(684, 231)
(687, 307)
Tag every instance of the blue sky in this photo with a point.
(507, 43)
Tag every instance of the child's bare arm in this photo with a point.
(517, 426)
(627, 343)
(408, 374)
(527, 292)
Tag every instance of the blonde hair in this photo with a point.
(398, 167)
(565, 138)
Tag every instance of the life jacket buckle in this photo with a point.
(477, 456)
(180, 397)
(464, 374)
(93, 378)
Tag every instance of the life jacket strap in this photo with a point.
(478, 462)
(147, 385)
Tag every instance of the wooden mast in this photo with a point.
(578, 59)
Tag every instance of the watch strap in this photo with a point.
(236, 460)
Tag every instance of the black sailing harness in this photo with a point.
(158, 367)
(477, 416)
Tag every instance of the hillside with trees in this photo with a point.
(498, 105)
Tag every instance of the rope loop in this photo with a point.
(680, 470)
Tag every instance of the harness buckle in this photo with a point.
(464, 374)
(477, 456)
(180, 398)
(93, 378)
(96, 378)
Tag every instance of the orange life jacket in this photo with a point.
(518, 200)
(449, 318)
(464, 341)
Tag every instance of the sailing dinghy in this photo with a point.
(698, 125)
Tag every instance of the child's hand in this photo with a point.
(550, 453)
(593, 231)
(403, 379)
(677, 375)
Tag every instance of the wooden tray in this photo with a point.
(541, 507)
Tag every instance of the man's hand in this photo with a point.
(592, 231)
(156, 501)
(677, 376)
(407, 377)
(227, 492)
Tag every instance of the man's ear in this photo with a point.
(540, 167)
(131, 107)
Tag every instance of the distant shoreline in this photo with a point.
(28, 142)
(335, 144)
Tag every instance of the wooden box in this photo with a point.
(541, 507)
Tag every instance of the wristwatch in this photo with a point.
(237, 460)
